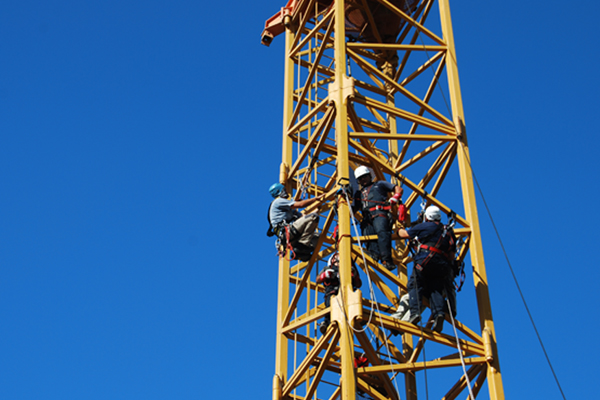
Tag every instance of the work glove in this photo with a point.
(395, 198)
(328, 275)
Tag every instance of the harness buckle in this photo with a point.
(414, 245)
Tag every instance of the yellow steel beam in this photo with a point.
(383, 112)
(382, 337)
(312, 71)
(412, 22)
(476, 248)
(462, 382)
(312, 32)
(372, 25)
(281, 343)
(427, 98)
(426, 66)
(311, 141)
(399, 47)
(319, 108)
(305, 277)
(419, 156)
(323, 363)
(372, 391)
(400, 136)
(428, 334)
(422, 13)
(419, 366)
(399, 88)
(449, 130)
(340, 99)
(298, 374)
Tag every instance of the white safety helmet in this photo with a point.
(361, 171)
(334, 257)
(433, 213)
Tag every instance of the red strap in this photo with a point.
(289, 244)
(437, 251)
(380, 208)
(433, 249)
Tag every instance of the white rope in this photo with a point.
(462, 360)
(371, 291)
(373, 300)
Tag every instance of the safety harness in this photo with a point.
(381, 206)
(458, 267)
(334, 280)
(446, 239)
(284, 232)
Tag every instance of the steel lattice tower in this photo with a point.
(375, 82)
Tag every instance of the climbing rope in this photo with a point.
(373, 299)
(462, 360)
(371, 291)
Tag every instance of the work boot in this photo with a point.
(302, 248)
(302, 256)
(438, 323)
(323, 327)
(414, 318)
(403, 308)
(302, 252)
(389, 266)
(399, 314)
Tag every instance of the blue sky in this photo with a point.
(137, 144)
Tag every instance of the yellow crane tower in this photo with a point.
(375, 83)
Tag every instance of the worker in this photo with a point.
(330, 278)
(372, 199)
(283, 212)
(433, 273)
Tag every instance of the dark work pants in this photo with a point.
(328, 294)
(382, 248)
(434, 282)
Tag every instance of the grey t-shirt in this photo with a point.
(281, 210)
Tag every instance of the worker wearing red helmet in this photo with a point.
(330, 278)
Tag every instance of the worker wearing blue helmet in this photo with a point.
(283, 212)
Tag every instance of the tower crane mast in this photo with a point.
(375, 83)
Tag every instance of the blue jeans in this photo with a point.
(435, 283)
(381, 249)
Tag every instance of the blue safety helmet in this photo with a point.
(276, 189)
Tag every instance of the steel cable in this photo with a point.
(514, 275)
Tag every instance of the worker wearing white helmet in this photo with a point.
(433, 274)
(376, 207)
